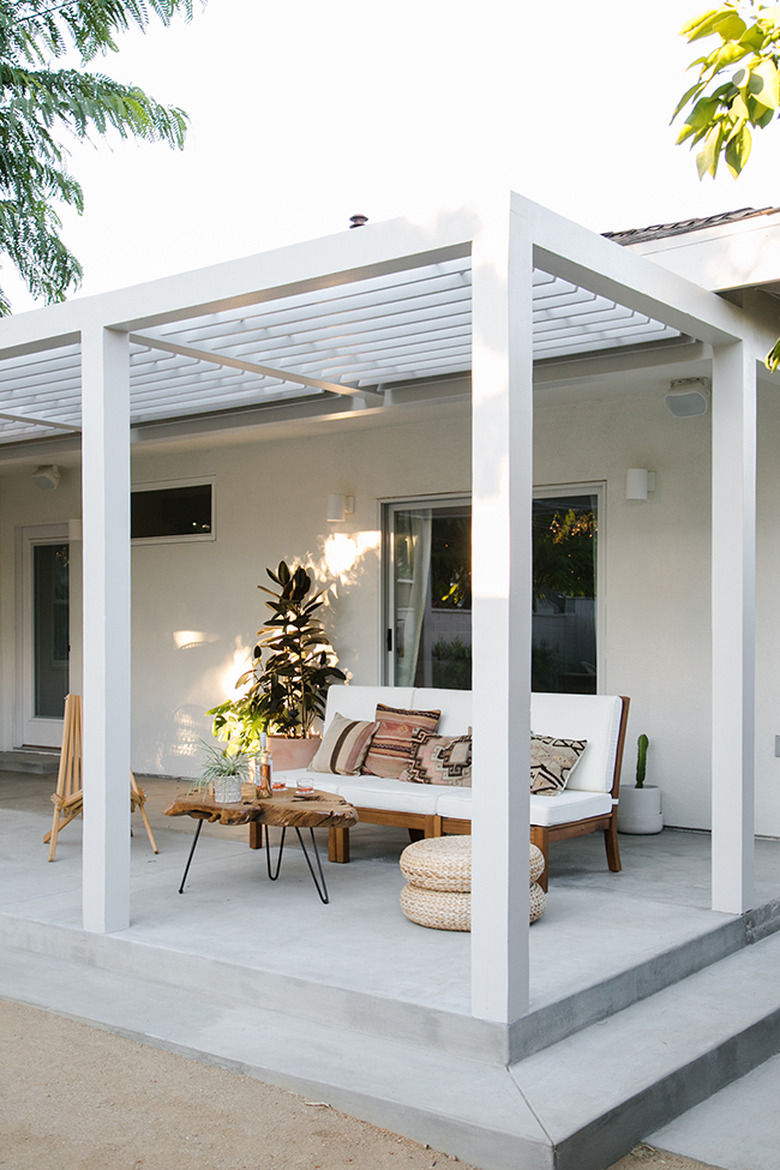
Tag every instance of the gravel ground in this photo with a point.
(75, 1097)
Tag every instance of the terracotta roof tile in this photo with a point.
(662, 230)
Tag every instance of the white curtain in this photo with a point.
(412, 572)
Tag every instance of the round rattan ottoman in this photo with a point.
(438, 890)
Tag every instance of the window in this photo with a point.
(172, 511)
(427, 576)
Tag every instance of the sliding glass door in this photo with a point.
(428, 593)
(427, 551)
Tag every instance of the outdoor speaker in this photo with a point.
(47, 477)
(688, 398)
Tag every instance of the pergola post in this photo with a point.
(106, 571)
(502, 415)
(733, 625)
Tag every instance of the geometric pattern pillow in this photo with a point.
(344, 746)
(553, 761)
(440, 759)
(392, 747)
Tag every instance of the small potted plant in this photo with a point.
(227, 769)
(292, 667)
(639, 808)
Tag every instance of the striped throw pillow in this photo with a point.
(392, 748)
(344, 746)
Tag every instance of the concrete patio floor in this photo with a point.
(357, 965)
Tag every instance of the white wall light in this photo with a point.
(46, 477)
(639, 481)
(340, 507)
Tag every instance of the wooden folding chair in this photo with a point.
(68, 800)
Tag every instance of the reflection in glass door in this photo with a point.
(44, 635)
(51, 615)
(428, 580)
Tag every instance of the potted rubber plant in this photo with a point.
(293, 664)
(227, 769)
(639, 808)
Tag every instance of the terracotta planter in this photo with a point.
(639, 810)
(288, 754)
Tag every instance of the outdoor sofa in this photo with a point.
(588, 803)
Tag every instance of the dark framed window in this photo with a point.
(182, 511)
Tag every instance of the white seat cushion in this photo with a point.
(569, 806)
(455, 802)
(395, 795)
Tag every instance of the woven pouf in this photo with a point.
(439, 863)
(438, 909)
(438, 872)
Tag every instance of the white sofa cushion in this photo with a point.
(455, 707)
(592, 717)
(395, 795)
(360, 702)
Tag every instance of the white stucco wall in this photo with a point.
(270, 504)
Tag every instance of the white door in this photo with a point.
(45, 634)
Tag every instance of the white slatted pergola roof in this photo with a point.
(489, 291)
(347, 341)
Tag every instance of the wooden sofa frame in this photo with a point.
(542, 836)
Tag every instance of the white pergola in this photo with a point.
(349, 323)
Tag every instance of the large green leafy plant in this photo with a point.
(43, 107)
(292, 667)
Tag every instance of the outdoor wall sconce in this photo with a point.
(639, 481)
(688, 397)
(340, 507)
(47, 477)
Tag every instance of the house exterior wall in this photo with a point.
(270, 504)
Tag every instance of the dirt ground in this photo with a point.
(75, 1097)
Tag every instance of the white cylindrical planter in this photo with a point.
(639, 810)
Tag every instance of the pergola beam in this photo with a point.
(39, 422)
(203, 355)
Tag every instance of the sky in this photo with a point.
(304, 114)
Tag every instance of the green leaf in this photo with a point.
(772, 359)
(707, 159)
(701, 26)
(730, 26)
(689, 93)
(763, 84)
(738, 150)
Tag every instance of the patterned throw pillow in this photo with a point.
(553, 761)
(344, 746)
(440, 759)
(392, 748)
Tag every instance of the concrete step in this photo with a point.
(37, 763)
(601, 1091)
(738, 1128)
(579, 1104)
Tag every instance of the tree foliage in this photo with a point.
(737, 87)
(41, 106)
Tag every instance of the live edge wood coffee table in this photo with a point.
(285, 811)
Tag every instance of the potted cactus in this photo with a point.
(639, 808)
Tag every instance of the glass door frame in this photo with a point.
(597, 488)
(30, 729)
(388, 507)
